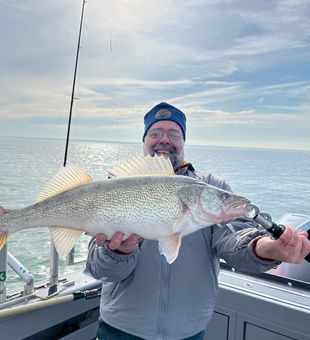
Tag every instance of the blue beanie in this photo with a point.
(164, 111)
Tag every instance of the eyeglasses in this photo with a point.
(173, 135)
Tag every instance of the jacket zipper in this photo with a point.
(163, 298)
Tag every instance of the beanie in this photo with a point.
(164, 111)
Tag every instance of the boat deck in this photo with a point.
(248, 308)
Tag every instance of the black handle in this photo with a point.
(274, 229)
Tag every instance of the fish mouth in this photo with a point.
(246, 205)
(237, 207)
(236, 201)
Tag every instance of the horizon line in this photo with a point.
(139, 143)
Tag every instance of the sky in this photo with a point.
(238, 69)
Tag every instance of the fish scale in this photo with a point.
(160, 207)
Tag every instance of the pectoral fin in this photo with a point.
(64, 239)
(169, 247)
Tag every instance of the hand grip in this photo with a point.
(274, 229)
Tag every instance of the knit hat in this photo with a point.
(164, 111)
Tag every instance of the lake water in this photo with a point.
(277, 181)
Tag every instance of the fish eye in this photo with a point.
(226, 195)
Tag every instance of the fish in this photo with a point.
(143, 196)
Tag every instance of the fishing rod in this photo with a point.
(276, 230)
(54, 255)
(86, 294)
(73, 85)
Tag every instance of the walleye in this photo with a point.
(144, 197)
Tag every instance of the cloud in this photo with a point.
(235, 63)
(293, 89)
(262, 44)
(200, 116)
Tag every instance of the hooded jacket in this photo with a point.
(145, 296)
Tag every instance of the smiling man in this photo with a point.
(164, 133)
(144, 297)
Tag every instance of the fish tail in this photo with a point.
(4, 235)
(3, 239)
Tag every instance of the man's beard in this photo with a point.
(176, 156)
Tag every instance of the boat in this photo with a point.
(248, 307)
(273, 305)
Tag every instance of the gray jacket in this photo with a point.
(145, 296)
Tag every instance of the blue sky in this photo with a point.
(238, 69)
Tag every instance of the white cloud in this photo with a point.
(201, 116)
(262, 44)
(235, 62)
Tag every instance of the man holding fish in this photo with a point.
(149, 296)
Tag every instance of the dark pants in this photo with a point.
(107, 332)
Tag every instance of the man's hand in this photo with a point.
(291, 247)
(117, 244)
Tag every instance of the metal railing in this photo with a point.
(23, 273)
(7, 259)
(3, 272)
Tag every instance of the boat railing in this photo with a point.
(22, 272)
(53, 281)
(3, 271)
(7, 259)
(70, 257)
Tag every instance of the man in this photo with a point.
(145, 297)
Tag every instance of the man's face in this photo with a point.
(165, 138)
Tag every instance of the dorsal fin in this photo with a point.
(143, 166)
(67, 178)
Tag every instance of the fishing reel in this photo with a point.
(276, 230)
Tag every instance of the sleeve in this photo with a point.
(109, 266)
(216, 181)
(234, 242)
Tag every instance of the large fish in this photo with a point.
(155, 204)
